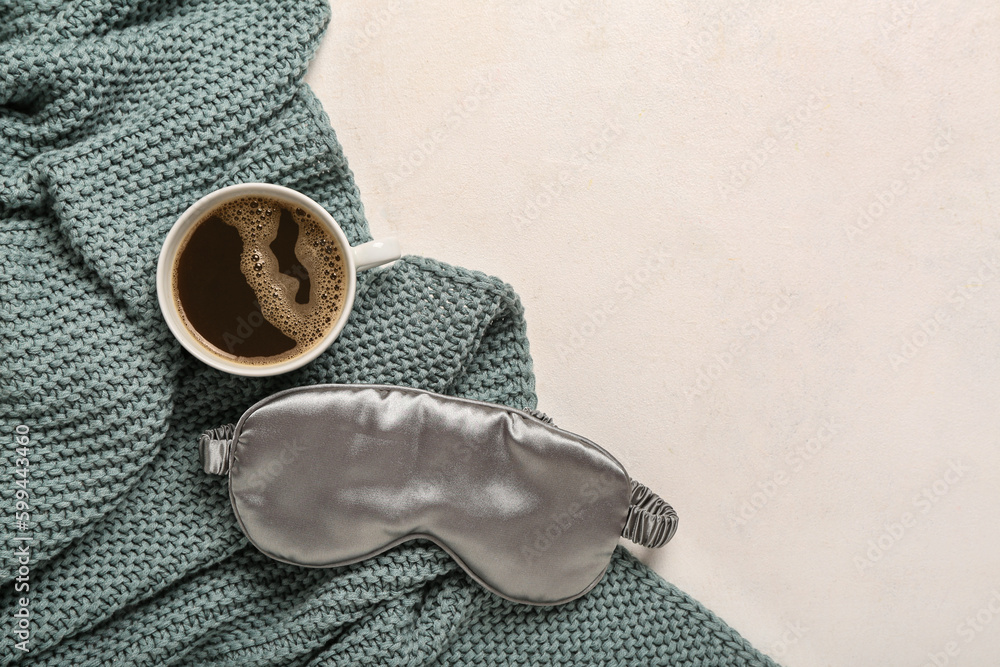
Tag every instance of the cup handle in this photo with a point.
(375, 253)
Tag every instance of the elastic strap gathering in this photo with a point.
(213, 449)
(651, 521)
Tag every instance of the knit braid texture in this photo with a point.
(115, 115)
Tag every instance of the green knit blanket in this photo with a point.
(115, 115)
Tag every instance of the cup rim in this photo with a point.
(165, 287)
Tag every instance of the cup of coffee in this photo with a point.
(258, 279)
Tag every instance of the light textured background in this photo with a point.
(677, 192)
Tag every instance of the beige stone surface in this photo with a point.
(759, 250)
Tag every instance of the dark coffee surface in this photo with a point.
(217, 300)
(259, 281)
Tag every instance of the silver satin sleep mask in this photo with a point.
(328, 475)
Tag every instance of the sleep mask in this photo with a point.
(327, 475)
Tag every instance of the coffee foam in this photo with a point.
(316, 248)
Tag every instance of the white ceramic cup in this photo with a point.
(357, 258)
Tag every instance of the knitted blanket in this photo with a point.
(115, 115)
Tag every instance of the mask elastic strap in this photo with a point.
(213, 449)
(651, 521)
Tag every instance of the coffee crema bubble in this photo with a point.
(259, 280)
